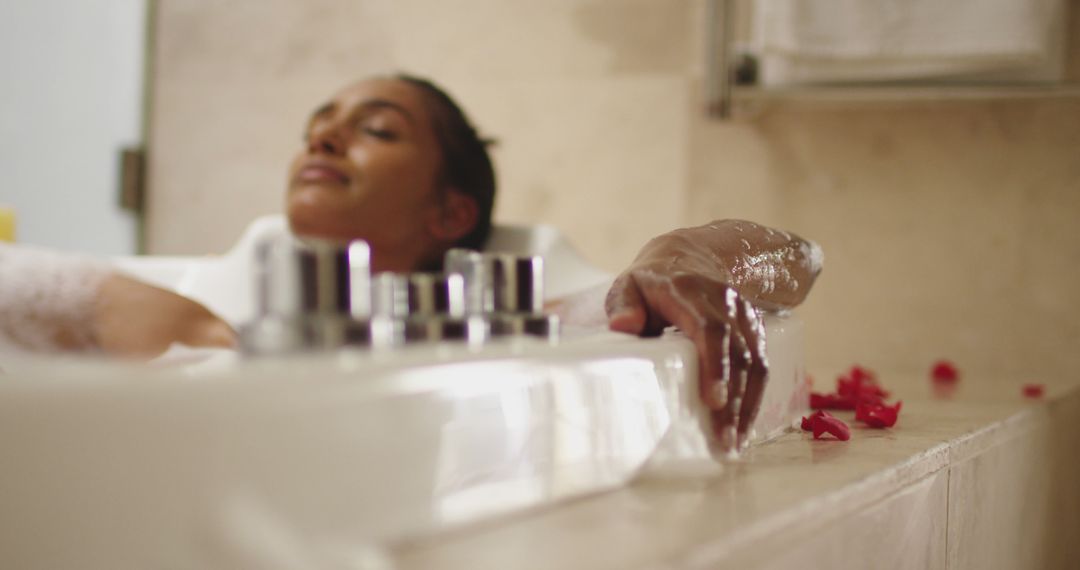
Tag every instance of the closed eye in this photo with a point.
(383, 134)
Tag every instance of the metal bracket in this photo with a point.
(132, 191)
(719, 71)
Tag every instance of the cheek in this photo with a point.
(294, 167)
(399, 178)
(294, 164)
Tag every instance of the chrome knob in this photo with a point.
(436, 294)
(277, 278)
(517, 282)
(506, 290)
(499, 282)
(309, 294)
(325, 277)
(390, 295)
(471, 265)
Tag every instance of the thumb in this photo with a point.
(625, 306)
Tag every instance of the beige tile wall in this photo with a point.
(587, 98)
(949, 228)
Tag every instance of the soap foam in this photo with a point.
(46, 297)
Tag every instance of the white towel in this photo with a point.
(822, 41)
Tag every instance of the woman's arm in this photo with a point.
(134, 319)
(772, 269)
(54, 302)
(707, 281)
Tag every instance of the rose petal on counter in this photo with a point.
(858, 386)
(944, 372)
(878, 416)
(861, 385)
(1033, 391)
(860, 374)
(821, 422)
(808, 421)
(836, 427)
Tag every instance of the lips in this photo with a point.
(322, 173)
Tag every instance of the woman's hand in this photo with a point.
(707, 281)
(725, 328)
(135, 319)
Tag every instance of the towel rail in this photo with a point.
(719, 72)
(725, 92)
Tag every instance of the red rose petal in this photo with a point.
(944, 372)
(1034, 391)
(808, 421)
(878, 416)
(860, 374)
(834, 426)
(820, 423)
(860, 385)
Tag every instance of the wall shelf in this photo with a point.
(725, 96)
(897, 93)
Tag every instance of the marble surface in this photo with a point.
(903, 531)
(958, 471)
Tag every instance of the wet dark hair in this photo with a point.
(467, 166)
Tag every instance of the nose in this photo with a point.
(327, 139)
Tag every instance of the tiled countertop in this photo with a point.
(982, 473)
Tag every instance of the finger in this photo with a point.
(725, 423)
(651, 302)
(706, 319)
(757, 376)
(625, 306)
(714, 368)
(689, 305)
(724, 420)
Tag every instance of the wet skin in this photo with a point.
(706, 281)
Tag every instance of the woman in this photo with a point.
(394, 161)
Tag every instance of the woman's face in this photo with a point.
(370, 170)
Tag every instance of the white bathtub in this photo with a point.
(313, 461)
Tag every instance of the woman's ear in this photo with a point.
(456, 218)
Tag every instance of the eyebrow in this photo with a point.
(325, 109)
(328, 109)
(387, 104)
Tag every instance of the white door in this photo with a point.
(71, 98)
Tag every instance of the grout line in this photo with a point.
(948, 509)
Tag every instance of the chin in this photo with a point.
(320, 223)
(308, 221)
